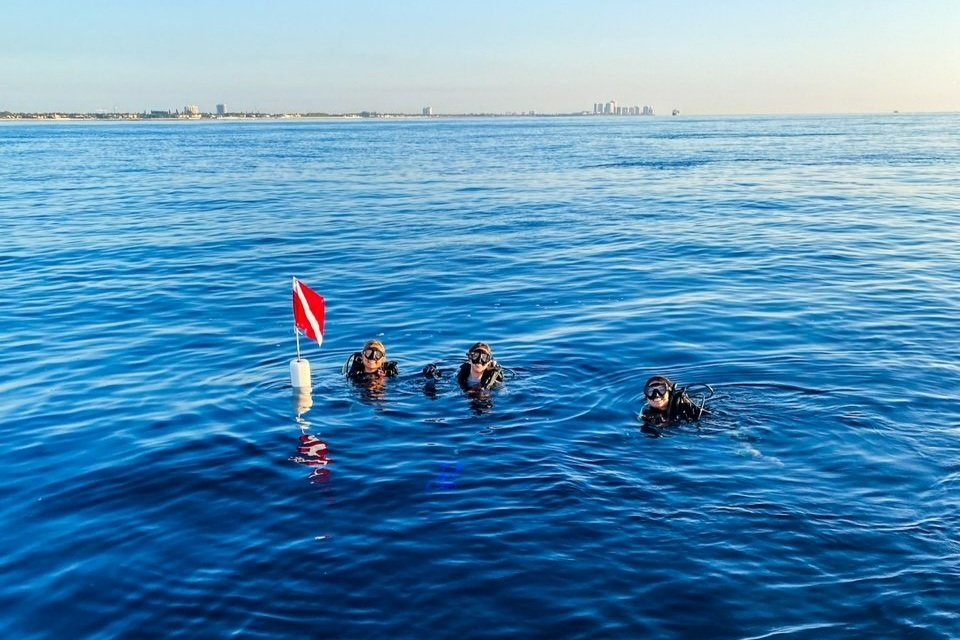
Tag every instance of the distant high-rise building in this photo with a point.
(191, 110)
(427, 111)
(612, 109)
(221, 109)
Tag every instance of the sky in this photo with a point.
(701, 57)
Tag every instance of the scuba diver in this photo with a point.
(477, 376)
(370, 364)
(480, 372)
(668, 404)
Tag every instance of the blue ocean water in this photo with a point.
(163, 480)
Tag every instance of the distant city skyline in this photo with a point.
(703, 58)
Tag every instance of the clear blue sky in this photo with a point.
(702, 57)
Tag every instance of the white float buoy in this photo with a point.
(300, 374)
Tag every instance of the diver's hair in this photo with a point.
(482, 346)
(375, 344)
(663, 379)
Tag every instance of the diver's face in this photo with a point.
(660, 403)
(658, 395)
(479, 361)
(372, 357)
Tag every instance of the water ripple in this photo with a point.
(161, 473)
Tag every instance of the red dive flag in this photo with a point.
(309, 311)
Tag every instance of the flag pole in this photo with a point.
(295, 331)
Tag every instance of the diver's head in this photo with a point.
(657, 390)
(480, 356)
(373, 354)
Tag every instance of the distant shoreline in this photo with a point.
(7, 116)
(207, 117)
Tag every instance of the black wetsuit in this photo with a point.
(681, 408)
(491, 376)
(357, 373)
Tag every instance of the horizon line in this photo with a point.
(374, 115)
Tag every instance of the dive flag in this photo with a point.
(309, 311)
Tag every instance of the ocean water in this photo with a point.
(161, 478)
